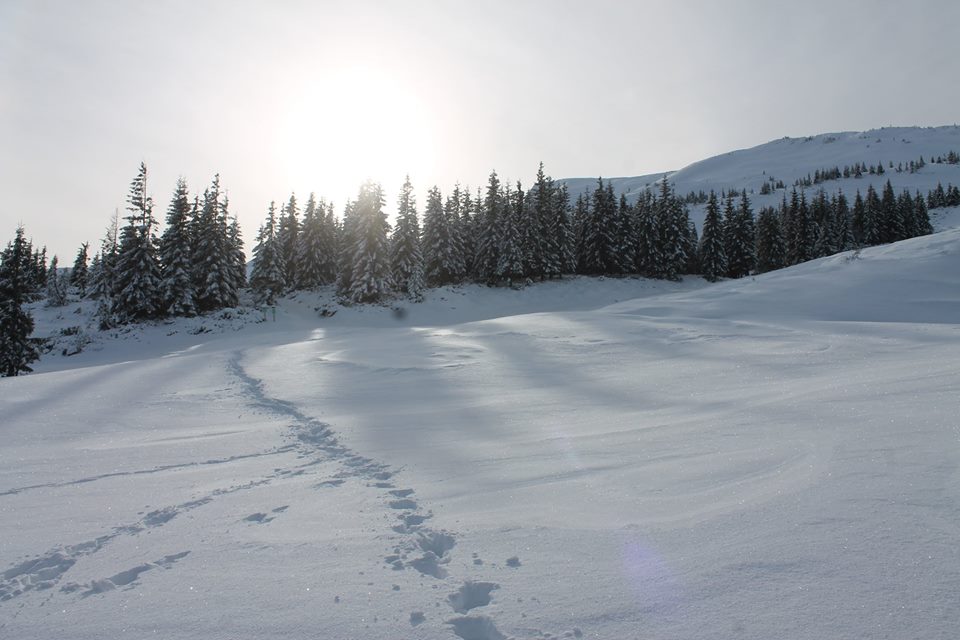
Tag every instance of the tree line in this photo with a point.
(500, 235)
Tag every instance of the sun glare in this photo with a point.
(358, 124)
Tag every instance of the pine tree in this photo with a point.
(624, 234)
(288, 231)
(890, 224)
(17, 349)
(266, 278)
(80, 274)
(858, 221)
(645, 237)
(841, 223)
(797, 234)
(670, 223)
(510, 263)
(921, 217)
(467, 228)
(771, 253)
(214, 260)
(136, 286)
(739, 237)
(310, 245)
(406, 258)
(599, 233)
(371, 279)
(177, 292)
(561, 229)
(713, 257)
(824, 243)
(487, 241)
(56, 285)
(237, 256)
(456, 263)
(872, 213)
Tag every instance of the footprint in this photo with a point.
(417, 617)
(404, 503)
(472, 595)
(402, 493)
(259, 518)
(437, 542)
(475, 628)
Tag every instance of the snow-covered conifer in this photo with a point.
(80, 274)
(371, 278)
(713, 257)
(406, 257)
(136, 275)
(266, 278)
(176, 286)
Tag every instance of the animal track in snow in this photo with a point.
(472, 595)
(475, 628)
(123, 578)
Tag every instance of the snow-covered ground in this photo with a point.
(771, 457)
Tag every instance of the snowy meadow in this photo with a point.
(774, 456)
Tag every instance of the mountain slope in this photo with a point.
(789, 159)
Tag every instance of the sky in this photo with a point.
(299, 97)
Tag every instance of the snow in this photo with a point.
(602, 458)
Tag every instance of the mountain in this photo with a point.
(790, 159)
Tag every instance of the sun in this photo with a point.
(353, 125)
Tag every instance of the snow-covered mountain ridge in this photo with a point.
(790, 159)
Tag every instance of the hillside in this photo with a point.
(789, 159)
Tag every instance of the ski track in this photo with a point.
(418, 546)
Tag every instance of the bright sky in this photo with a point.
(282, 97)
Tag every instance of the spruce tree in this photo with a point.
(214, 259)
(456, 261)
(841, 223)
(645, 238)
(510, 262)
(771, 253)
(599, 233)
(858, 221)
(487, 240)
(406, 258)
(17, 349)
(80, 274)
(713, 257)
(624, 235)
(310, 245)
(237, 255)
(136, 280)
(56, 285)
(671, 229)
(890, 224)
(436, 241)
(740, 243)
(561, 230)
(288, 231)
(872, 215)
(371, 278)
(266, 278)
(921, 217)
(798, 237)
(177, 292)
